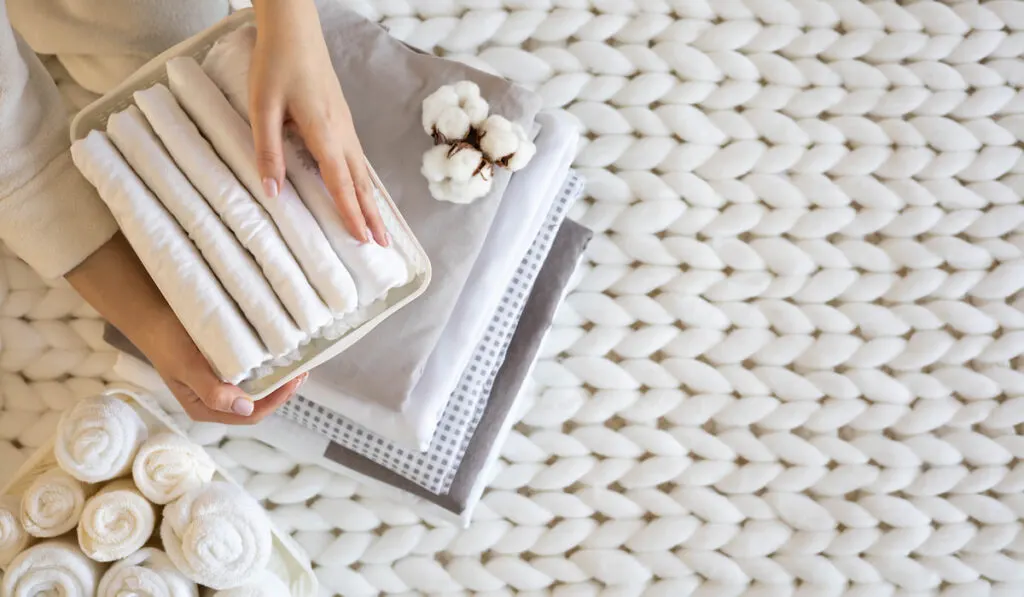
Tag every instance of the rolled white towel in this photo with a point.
(55, 567)
(52, 504)
(202, 305)
(97, 439)
(13, 537)
(232, 137)
(217, 535)
(374, 268)
(169, 466)
(232, 264)
(245, 217)
(146, 573)
(266, 584)
(116, 522)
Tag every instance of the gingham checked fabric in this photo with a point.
(435, 469)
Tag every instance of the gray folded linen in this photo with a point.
(548, 290)
(385, 82)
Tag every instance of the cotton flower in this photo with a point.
(453, 123)
(435, 103)
(505, 143)
(465, 163)
(435, 163)
(461, 191)
(471, 102)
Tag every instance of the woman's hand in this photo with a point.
(116, 284)
(293, 84)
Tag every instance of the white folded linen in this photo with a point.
(528, 198)
(97, 438)
(234, 267)
(266, 584)
(228, 132)
(116, 522)
(374, 268)
(245, 217)
(217, 535)
(56, 567)
(52, 504)
(199, 301)
(146, 573)
(13, 537)
(168, 466)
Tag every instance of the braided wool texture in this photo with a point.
(792, 365)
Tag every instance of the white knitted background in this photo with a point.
(793, 364)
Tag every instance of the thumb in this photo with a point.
(217, 395)
(267, 124)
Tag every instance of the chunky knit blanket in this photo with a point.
(793, 363)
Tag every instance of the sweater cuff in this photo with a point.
(55, 220)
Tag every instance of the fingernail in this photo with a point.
(367, 235)
(302, 380)
(242, 407)
(270, 187)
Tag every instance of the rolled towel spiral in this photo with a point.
(146, 573)
(13, 537)
(169, 466)
(116, 522)
(52, 504)
(217, 535)
(267, 584)
(97, 439)
(54, 567)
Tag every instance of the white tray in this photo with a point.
(94, 117)
(295, 567)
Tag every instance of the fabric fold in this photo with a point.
(375, 269)
(52, 504)
(55, 567)
(169, 466)
(13, 537)
(173, 262)
(217, 535)
(266, 584)
(249, 222)
(97, 438)
(233, 266)
(116, 522)
(228, 132)
(147, 573)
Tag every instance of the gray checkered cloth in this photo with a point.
(435, 469)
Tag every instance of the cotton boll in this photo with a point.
(476, 108)
(461, 192)
(466, 90)
(435, 103)
(524, 152)
(497, 138)
(435, 163)
(453, 123)
(465, 162)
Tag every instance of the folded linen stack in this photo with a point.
(213, 536)
(252, 278)
(421, 402)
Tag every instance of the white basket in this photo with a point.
(301, 578)
(94, 117)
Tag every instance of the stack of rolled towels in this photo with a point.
(127, 512)
(253, 278)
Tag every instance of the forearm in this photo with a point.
(116, 284)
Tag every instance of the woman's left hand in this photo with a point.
(294, 84)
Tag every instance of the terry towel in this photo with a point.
(199, 301)
(232, 137)
(97, 438)
(146, 573)
(13, 538)
(217, 535)
(236, 207)
(234, 267)
(169, 466)
(374, 268)
(55, 567)
(52, 504)
(116, 522)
